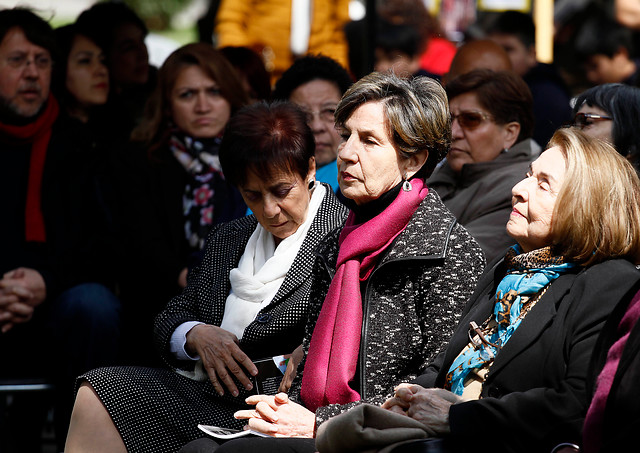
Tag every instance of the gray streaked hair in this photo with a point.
(416, 110)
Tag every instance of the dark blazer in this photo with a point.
(534, 396)
(149, 191)
(279, 327)
(622, 412)
(411, 301)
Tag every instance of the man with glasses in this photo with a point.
(316, 84)
(56, 318)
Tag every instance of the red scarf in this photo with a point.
(38, 134)
(333, 353)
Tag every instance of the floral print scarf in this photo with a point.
(200, 159)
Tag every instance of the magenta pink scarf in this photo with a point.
(335, 343)
(593, 422)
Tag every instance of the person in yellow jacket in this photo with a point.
(281, 30)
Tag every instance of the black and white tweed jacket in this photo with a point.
(412, 301)
(279, 327)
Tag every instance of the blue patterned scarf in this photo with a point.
(527, 275)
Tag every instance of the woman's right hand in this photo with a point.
(292, 369)
(221, 356)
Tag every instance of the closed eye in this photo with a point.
(282, 192)
(252, 196)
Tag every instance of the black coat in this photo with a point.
(411, 302)
(279, 327)
(535, 396)
(622, 412)
(79, 242)
(149, 191)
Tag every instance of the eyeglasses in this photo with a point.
(326, 115)
(470, 119)
(477, 338)
(22, 60)
(583, 120)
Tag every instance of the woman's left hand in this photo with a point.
(279, 417)
(428, 406)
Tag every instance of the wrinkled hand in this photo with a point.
(397, 404)
(428, 406)
(21, 290)
(277, 416)
(292, 369)
(221, 357)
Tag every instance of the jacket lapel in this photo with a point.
(235, 243)
(303, 263)
(534, 323)
(431, 221)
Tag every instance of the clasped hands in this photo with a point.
(428, 406)
(21, 290)
(279, 417)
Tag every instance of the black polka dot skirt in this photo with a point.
(158, 410)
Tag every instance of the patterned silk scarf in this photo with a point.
(527, 275)
(202, 164)
(333, 353)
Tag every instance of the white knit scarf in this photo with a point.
(262, 269)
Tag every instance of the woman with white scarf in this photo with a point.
(248, 299)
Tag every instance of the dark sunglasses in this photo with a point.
(470, 119)
(582, 120)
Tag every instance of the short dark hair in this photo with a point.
(36, 29)
(622, 102)
(602, 36)
(264, 137)
(249, 63)
(515, 23)
(404, 38)
(503, 93)
(105, 18)
(309, 68)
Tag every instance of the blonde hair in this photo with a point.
(597, 213)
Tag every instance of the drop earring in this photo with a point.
(406, 185)
(312, 184)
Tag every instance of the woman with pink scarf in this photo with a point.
(392, 282)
